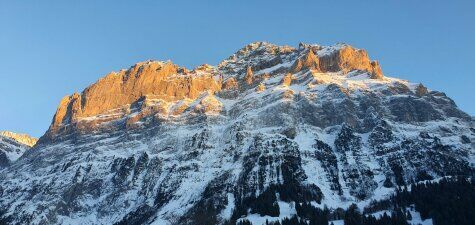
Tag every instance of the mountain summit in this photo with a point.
(115, 95)
(13, 145)
(267, 131)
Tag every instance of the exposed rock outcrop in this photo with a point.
(346, 59)
(342, 58)
(230, 84)
(249, 77)
(164, 80)
(287, 80)
(308, 61)
(421, 90)
(261, 87)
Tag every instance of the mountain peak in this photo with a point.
(116, 95)
(12, 146)
(160, 144)
(20, 138)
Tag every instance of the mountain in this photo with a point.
(13, 145)
(268, 130)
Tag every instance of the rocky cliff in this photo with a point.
(276, 125)
(117, 93)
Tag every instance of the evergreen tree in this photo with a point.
(353, 216)
(266, 204)
(244, 222)
(388, 183)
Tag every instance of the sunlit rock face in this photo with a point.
(347, 58)
(117, 93)
(161, 144)
(114, 96)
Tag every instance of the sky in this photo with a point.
(50, 49)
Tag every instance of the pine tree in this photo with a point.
(353, 216)
(244, 222)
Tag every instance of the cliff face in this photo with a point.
(347, 58)
(160, 144)
(117, 93)
(338, 58)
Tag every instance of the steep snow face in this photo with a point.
(301, 135)
(12, 146)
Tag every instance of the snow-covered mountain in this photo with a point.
(13, 145)
(160, 144)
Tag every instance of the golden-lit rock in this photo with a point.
(309, 61)
(209, 105)
(180, 108)
(347, 59)
(127, 86)
(376, 72)
(155, 89)
(230, 84)
(287, 80)
(421, 90)
(261, 87)
(249, 78)
(265, 76)
(288, 94)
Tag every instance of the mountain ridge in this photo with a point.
(278, 126)
(172, 82)
(21, 138)
(13, 146)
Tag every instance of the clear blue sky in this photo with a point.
(49, 49)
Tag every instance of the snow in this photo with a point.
(287, 210)
(381, 213)
(273, 68)
(327, 50)
(314, 170)
(160, 221)
(416, 219)
(336, 222)
(227, 212)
